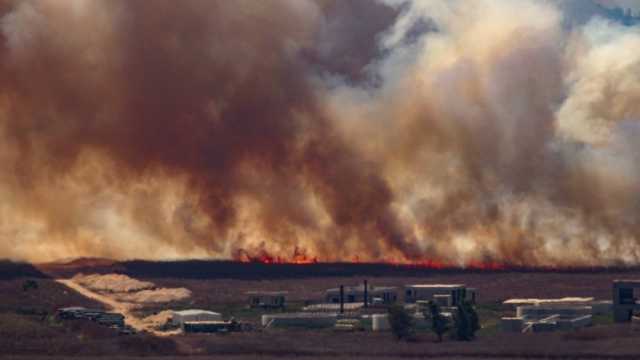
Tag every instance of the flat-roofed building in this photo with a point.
(267, 299)
(356, 294)
(428, 292)
(625, 299)
(178, 318)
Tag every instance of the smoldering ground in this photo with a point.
(432, 130)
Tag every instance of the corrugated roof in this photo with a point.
(195, 312)
(267, 293)
(361, 288)
(427, 286)
(549, 301)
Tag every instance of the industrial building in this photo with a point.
(444, 294)
(358, 294)
(178, 318)
(102, 317)
(625, 299)
(209, 326)
(541, 315)
(267, 299)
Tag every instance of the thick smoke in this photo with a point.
(386, 131)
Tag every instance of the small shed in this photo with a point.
(427, 292)
(208, 326)
(626, 294)
(356, 294)
(267, 299)
(194, 315)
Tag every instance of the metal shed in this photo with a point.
(194, 315)
(427, 292)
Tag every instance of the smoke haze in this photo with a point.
(389, 130)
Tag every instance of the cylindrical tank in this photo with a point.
(380, 322)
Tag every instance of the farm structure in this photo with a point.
(110, 319)
(267, 299)
(209, 326)
(358, 294)
(444, 294)
(625, 299)
(178, 318)
(543, 315)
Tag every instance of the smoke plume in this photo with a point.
(389, 130)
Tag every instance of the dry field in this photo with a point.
(29, 335)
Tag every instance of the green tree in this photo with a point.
(439, 324)
(29, 284)
(401, 323)
(466, 322)
(474, 320)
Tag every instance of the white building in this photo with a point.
(195, 315)
(428, 292)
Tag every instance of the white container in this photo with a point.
(380, 322)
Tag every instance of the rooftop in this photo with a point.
(434, 286)
(267, 293)
(73, 308)
(634, 282)
(195, 312)
(549, 301)
(361, 288)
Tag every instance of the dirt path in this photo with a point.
(116, 306)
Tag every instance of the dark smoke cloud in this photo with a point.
(211, 91)
(378, 130)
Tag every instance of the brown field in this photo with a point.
(27, 334)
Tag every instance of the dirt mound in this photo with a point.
(156, 321)
(115, 283)
(130, 290)
(162, 295)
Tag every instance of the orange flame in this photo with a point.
(300, 257)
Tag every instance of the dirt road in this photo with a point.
(116, 306)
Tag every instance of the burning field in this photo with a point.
(443, 133)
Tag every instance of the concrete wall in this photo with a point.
(421, 293)
(512, 324)
(304, 320)
(539, 312)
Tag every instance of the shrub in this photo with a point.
(439, 324)
(401, 322)
(29, 284)
(466, 322)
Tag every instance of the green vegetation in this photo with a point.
(401, 322)
(439, 324)
(466, 322)
(29, 285)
